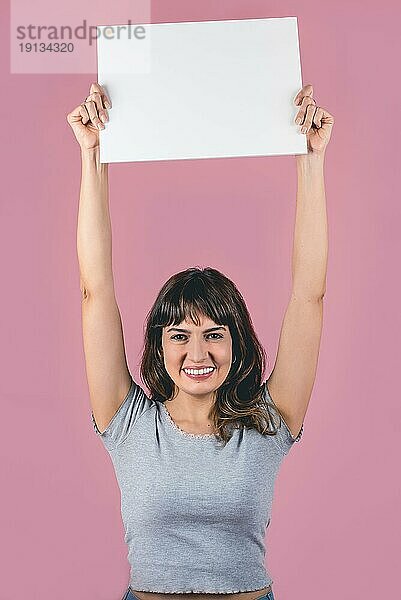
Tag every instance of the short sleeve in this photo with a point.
(132, 408)
(284, 437)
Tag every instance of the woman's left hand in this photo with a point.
(314, 120)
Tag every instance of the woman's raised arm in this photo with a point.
(292, 378)
(106, 365)
(94, 228)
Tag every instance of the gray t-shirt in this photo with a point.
(195, 513)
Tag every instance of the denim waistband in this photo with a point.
(129, 595)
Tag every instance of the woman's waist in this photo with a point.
(252, 595)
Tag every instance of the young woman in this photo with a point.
(197, 458)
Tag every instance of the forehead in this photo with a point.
(204, 321)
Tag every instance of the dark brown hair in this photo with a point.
(240, 400)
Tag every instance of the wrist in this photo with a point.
(310, 164)
(312, 158)
(90, 157)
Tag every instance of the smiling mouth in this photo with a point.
(201, 374)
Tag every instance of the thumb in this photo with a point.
(77, 118)
(326, 121)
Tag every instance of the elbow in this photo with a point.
(309, 295)
(84, 291)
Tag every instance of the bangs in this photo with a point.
(190, 302)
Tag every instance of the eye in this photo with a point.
(180, 336)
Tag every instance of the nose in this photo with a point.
(197, 351)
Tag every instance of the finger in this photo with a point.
(77, 119)
(84, 114)
(327, 120)
(78, 114)
(91, 108)
(95, 87)
(307, 90)
(310, 112)
(101, 111)
(317, 117)
(306, 100)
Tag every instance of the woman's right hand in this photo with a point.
(89, 117)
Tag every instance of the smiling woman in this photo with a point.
(197, 456)
(200, 321)
(202, 447)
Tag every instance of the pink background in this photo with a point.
(335, 531)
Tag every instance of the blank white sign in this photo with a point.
(201, 90)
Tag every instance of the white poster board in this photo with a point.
(201, 90)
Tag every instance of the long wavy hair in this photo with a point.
(240, 401)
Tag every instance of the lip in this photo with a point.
(199, 377)
(199, 367)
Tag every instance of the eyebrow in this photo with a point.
(187, 330)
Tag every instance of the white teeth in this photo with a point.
(199, 371)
